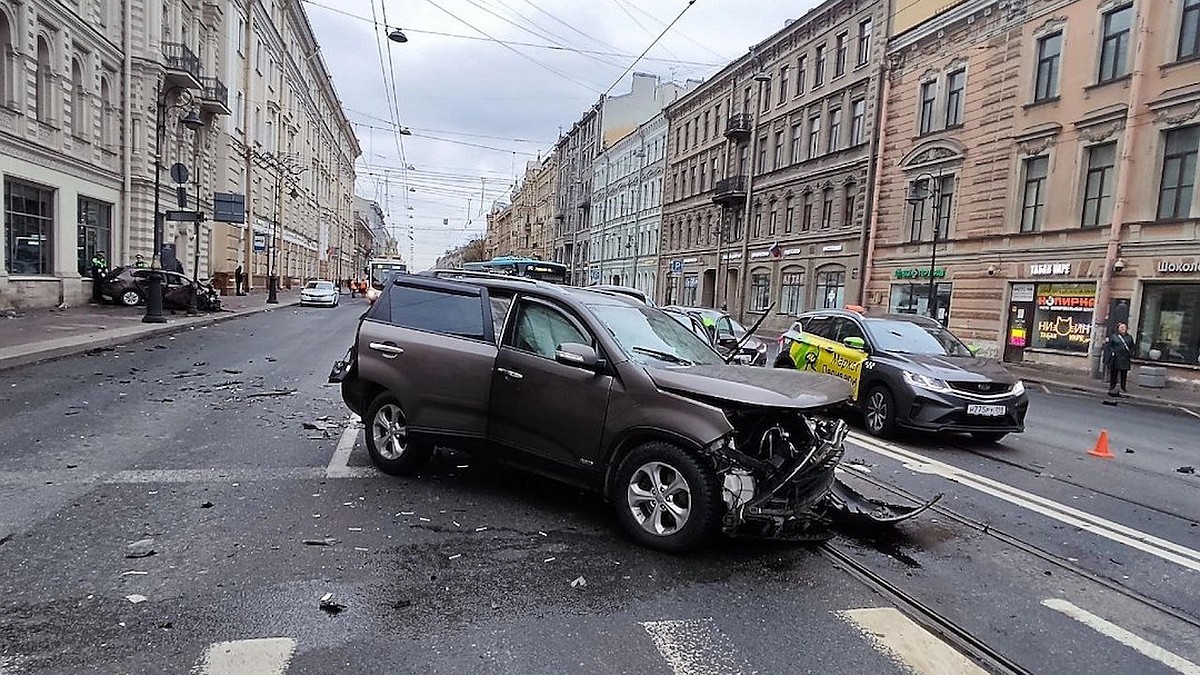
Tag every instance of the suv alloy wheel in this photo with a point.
(666, 499)
(388, 442)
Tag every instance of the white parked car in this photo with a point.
(319, 293)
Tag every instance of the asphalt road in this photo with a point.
(1058, 561)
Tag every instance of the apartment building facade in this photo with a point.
(768, 170)
(1038, 166)
(524, 227)
(91, 93)
(627, 209)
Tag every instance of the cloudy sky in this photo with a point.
(487, 85)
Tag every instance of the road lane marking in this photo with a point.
(1162, 548)
(264, 656)
(339, 464)
(1193, 413)
(695, 647)
(1131, 640)
(246, 474)
(903, 639)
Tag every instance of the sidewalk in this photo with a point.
(32, 335)
(1173, 396)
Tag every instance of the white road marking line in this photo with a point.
(264, 656)
(1045, 389)
(695, 647)
(213, 475)
(1193, 413)
(1135, 642)
(1162, 548)
(908, 643)
(339, 464)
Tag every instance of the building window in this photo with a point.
(913, 298)
(956, 82)
(797, 140)
(28, 226)
(831, 287)
(703, 166)
(835, 129)
(757, 221)
(95, 232)
(1178, 173)
(44, 91)
(1049, 54)
(1114, 49)
(760, 291)
(806, 213)
(6, 60)
(783, 85)
(848, 205)
(916, 211)
(1189, 29)
(928, 101)
(1033, 207)
(826, 208)
(814, 136)
(858, 122)
(772, 226)
(819, 67)
(78, 99)
(791, 292)
(945, 197)
(839, 57)
(864, 42)
(1098, 185)
(762, 155)
(801, 73)
(778, 149)
(106, 115)
(1170, 323)
(788, 215)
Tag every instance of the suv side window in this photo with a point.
(724, 327)
(822, 326)
(539, 329)
(437, 311)
(848, 328)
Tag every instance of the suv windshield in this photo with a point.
(909, 338)
(651, 338)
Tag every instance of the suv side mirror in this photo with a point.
(577, 355)
(856, 343)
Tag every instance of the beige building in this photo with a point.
(526, 226)
(768, 170)
(234, 90)
(1055, 145)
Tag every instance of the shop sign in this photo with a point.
(1022, 293)
(689, 261)
(919, 273)
(1169, 267)
(1063, 319)
(793, 251)
(760, 254)
(834, 248)
(1049, 269)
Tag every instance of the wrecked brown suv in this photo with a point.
(600, 391)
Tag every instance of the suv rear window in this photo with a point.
(438, 311)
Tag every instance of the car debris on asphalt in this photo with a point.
(331, 605)
(142, 548)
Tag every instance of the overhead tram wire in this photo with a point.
(572, 28)
(545, 142)
(396, 103)
(621, 6)
(558, 38)
(694, 41)
(448, 140)
(651, 45)
(543, 35)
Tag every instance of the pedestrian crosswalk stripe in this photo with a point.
(908, 643)
(1131, 640)
(263, 656)
(695, 647)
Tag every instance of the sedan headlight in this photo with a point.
(925, 382)
(1018, 388)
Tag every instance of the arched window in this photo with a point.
(78, 100)
(6, 60)
(106, 107)
(44, 87)
(791, 291)
(760, 289)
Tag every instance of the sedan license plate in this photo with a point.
(987, 410)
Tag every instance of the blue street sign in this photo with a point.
(260, 242)
(677, 266)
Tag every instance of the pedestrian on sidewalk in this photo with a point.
(99, 269)
(1120, 349)
(140, 261)
(239, 280)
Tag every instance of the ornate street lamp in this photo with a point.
(917, 195)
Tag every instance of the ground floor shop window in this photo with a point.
(28, 228)
(690, 283)
(791, 292)
(95, 233)
(760, 291)
(831, 287)
(913, 298)
(1169, 323)
(1062, 317)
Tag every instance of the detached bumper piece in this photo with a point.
(853, 508)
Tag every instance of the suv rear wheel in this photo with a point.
(388, 442)
(666, 499)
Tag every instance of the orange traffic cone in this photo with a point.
(1101, 450)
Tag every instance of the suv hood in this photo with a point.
(957, 368)
(749, 385)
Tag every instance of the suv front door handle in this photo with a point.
(389, 351)
(510, 374)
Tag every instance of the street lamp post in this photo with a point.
(193, 121)
(917, 195)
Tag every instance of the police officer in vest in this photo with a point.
(99, 269)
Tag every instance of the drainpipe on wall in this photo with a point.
(1124, 189)
(867, 239)
(248, 187)
(127, 133)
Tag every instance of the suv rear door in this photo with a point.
(431, 343)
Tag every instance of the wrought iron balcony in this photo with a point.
(738, 126)
(183, 66)
(215, 96)
(730, 191)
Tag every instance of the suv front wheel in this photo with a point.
(388, 441)
(666, 499)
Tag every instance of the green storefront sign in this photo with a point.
(919, 273)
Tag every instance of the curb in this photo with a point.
(83, 344)
(1138, 399)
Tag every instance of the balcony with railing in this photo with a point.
(730, 191)
(214, 97)
(739, 126)
(182, 66)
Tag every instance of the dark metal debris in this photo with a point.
(327, 541)
(330, 605)
(1186, 469)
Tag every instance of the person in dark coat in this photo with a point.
(1121, 350)
(99, 269)
(239, 280)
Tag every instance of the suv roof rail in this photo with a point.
(440, 273)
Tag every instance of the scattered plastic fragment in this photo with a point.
(579, 582)
(331, 605)
(142, 548)
(354, 529)
(1186, 469)
(206, 505)
(456, 556)
(134, 573)
(481, 529)
(136, 599)
(549, 560)
(327, 541)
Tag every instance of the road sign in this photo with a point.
(260, 242)
(185, 216)
(179, 173)
(676, 266)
